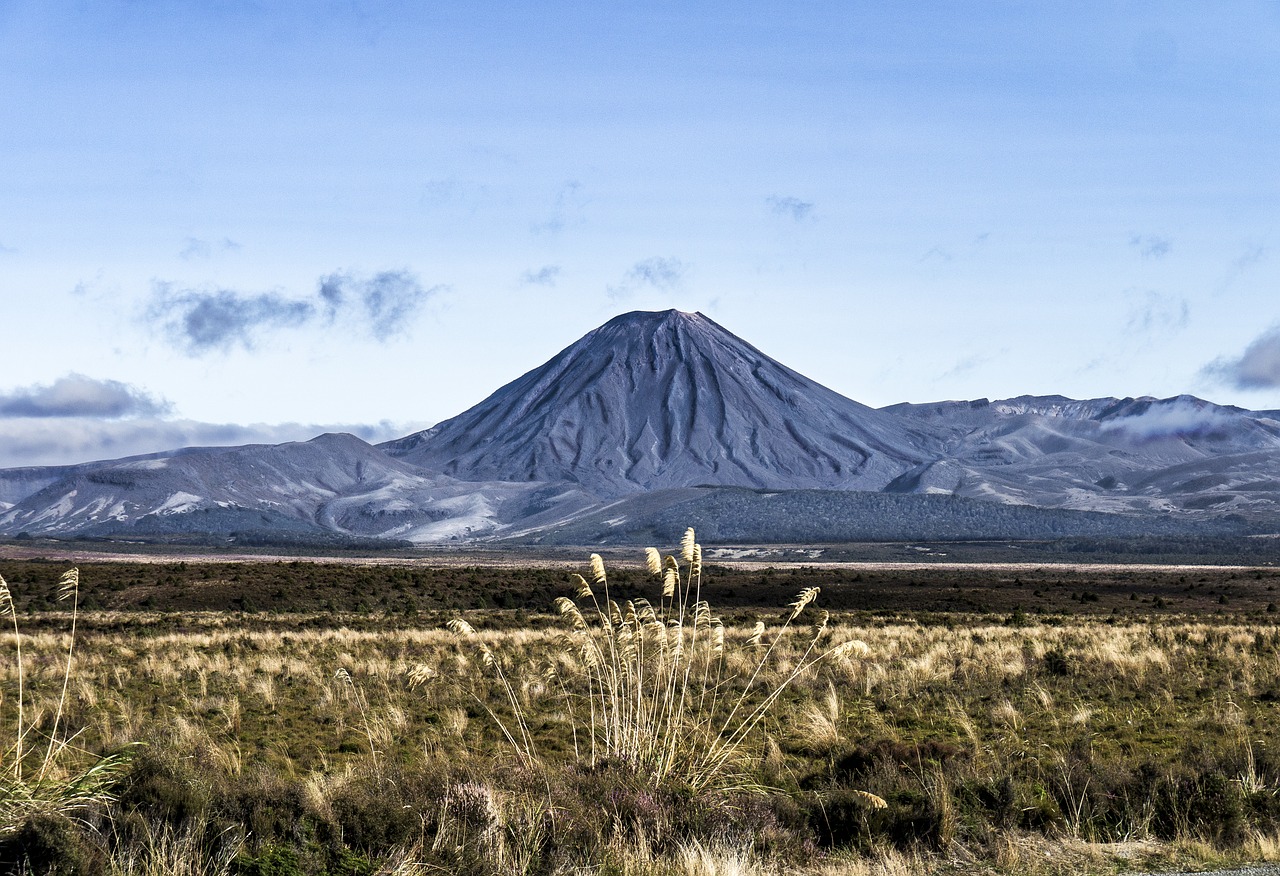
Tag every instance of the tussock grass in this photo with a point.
(660, 686)
(43, 770)
(357, 743)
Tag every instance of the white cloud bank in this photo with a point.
(82, 419)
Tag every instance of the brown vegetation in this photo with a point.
(373, 741)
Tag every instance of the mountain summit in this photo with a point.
(652, 400)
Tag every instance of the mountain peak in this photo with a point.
(645, 322)
(656, 399)
(671, 315)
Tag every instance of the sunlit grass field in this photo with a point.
(1120, 731)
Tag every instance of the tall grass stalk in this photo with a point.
(521, 740)
(57, 786)
(20, 731)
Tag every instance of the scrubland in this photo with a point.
(674, 736)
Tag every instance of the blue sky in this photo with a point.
(227, 222)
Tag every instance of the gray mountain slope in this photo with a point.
(18, 483)
(1141, 455)
(671, 399)
(331, 484)
(659, 416)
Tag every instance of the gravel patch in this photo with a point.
(1253, 870)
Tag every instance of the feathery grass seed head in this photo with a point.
(568, 609)
(461, 627)
(597, 569)
(653, 561)
(870, 800)
(686, 545)
(806, 596)
(851, 648)
(669, 579)
(68, 584)
(420, 673)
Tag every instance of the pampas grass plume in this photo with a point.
(686, 545)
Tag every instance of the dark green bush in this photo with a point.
(51, 843)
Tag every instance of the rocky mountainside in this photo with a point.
(655, 416)
(656, 400)
(1140, 455)
(333, 484)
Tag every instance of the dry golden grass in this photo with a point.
(311, 698)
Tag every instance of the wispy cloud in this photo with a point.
(1257, 368)
(1156, 311)
(664, 274)
(201, 321)
(547, 275)
(453, 196)
(943, 253)
(1151, 246)
(789, 206)
(566, 210)
(195, 248)
(972, 363)
(76, 395)
(1250, 256)
(387, 300)
(660, 273)
(6, 250)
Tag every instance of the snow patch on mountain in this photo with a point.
(180, 503)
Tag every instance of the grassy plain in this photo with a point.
(302, 717)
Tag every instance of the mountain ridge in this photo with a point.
(654, 403)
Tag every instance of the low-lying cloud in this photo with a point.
(1257, 368)
(201, 321)
(30, 441)
(76, 395)
(1180, 417)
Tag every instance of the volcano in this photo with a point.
(654, 421)
(669, 399)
